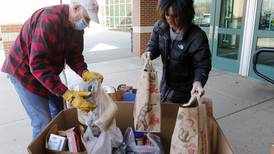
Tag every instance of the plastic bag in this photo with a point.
(102, 134)
(106, 109)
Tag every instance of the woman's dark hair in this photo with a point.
(183, 11)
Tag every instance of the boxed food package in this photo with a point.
(56, 142)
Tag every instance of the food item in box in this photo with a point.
(73, 141)
(125, 88)
(139, 138)
(56, 142)
(109, 89)
(72, 136)
(128, 96)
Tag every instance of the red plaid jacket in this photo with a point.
(46, 42)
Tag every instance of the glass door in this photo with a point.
(264, 37)
(204, 17)
(228, 33)
(223, 21)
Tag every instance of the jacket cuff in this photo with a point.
(81, 71)
(152, 57)
(60, 90)
(200, 78)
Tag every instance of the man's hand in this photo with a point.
(90, 76)
(77, 100)
(198, 88)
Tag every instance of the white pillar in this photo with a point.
(249, 27)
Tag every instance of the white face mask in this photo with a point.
(80, 24)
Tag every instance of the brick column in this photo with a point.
(9, 33)
(143, 18)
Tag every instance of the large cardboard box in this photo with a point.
(68, 118)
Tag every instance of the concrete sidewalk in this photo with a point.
(244, 107)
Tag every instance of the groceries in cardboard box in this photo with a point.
(123, 92)
(68, 118)
(138, 142)
(69, 140)
(196, 130)
(102, 135)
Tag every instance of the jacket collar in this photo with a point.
(178, 35)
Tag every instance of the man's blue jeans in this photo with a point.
(39, 109)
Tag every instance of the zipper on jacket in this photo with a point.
(167, 47)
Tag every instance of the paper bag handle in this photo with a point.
(148, 65)
(195, 97)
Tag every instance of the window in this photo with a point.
(118, 14)
(267, 16)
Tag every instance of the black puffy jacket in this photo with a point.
(185, 60)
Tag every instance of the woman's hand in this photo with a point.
(197, 88)
(146, 55)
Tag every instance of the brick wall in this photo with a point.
(144, 12)
(140, 42)
(9, 33)
(148, 12)
(7, 28)
(144, 17)
(7, 45)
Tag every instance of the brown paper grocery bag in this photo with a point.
(204, 126)
(147, 109)
(185, 135)
(211, 125)
(192, 128)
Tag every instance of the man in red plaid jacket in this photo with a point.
(51, 37)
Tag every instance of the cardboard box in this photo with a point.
(65, 119)
(124, 119)
(117, 96)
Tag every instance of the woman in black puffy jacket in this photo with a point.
(184, 51)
